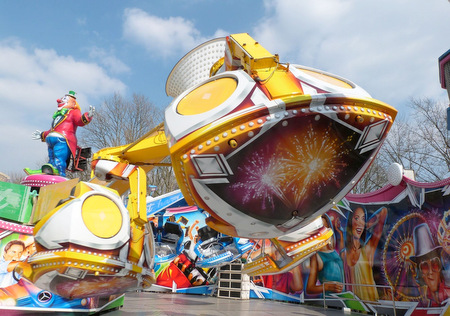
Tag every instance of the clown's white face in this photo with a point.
(66, 101)
(62, 102)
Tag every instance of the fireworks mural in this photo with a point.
(266, 155)
(290, 172)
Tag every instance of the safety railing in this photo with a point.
(357, 298)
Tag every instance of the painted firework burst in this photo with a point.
(298, 167)
(263, 179)
(311, 163)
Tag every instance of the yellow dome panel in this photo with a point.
(101, 216)
(207, 96)
(327, 78)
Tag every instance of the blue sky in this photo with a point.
(390, 48)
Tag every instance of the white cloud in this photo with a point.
(81, 21)
(160, 36)
(388, 48)
(30, 82)
(108, 60)
(220, 33)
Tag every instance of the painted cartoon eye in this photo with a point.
(200, 99)
(212, 99)
(433, 264)
(207, 96)
(101, 216)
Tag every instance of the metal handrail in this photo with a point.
(360, 300)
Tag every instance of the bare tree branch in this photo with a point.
(119, 122)
(419, 142)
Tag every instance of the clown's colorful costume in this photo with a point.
(61, 138)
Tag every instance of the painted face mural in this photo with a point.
(402, 233)
(431, 273)
(358, 223)
(14, 252)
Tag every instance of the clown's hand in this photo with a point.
(91, 111)
(36, 135)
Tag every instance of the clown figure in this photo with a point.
(61, 138)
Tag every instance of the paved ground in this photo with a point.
(162, 304)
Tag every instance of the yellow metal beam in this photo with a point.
(150, 149)
(253, 56)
